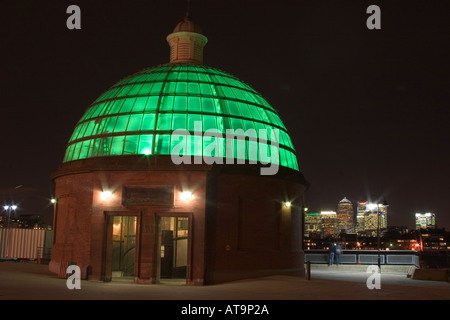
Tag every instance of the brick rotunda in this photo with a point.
(152, 188)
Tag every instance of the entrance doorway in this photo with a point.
(173, 249)
(121, 247)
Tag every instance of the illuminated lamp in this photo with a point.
(186, 195)
(105, 195)
(287, 204)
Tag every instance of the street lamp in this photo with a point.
(384, 204)
(8, 209)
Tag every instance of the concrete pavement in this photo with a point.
(31, 281)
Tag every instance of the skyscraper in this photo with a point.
(425, 221)
(360, 214)
(345, 216)
(329, 223)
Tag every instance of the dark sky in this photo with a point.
(367, 110)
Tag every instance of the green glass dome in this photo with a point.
(138, 115)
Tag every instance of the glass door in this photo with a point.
(173, 242)
(123, 246)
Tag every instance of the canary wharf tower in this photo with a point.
(127, 208)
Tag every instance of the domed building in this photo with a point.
(179, 171)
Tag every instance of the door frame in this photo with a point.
(158, 216)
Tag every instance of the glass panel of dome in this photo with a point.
(90, 128)
(81, 130)
(233, 108)
(228, 92)
(172, 76)
(194, 104)
(95, 147)
(179, 121)
(166, 103)
(245, 110)
(110, 124)
(162, 143)
(148, 122)
(177, 140)
(180, 103)
(135, 122)
(192, 76)
(203, 77)
(161, 77)
(264, 115)
(164, 121)
(254, 112)
(208, 105)
(156, 89)
(152, 103)
(114, 106)
(96, 110)
(239, 95)
(68, 155)
(209, 122)
(193, 88)
(127, 105)
(104, 147)
(76, 151)
(145, 144)
(84, 151)
(139, 104)
(192, 118)
(250, 129)
(169, 87)
(236, 123)
(121, 123)
(131, 144)
(182, 76)
(146, 88)
(122, 91)
(205, 89)
(283, 160)
(181, 88)
(117, 145)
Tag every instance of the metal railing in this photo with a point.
(391, 257)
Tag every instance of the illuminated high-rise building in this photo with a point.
(360, 216)
(329, 223)
(345, 216)
(425, 221)
(375, 218)
(313, 224)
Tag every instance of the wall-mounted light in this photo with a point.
(186, 195)
(287, 204)
(106, 195)
(53, 200)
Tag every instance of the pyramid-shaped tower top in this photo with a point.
(186, 42)
(345, 200)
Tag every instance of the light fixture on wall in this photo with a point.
(106, 195)
(186, 195)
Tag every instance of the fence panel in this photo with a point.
(16, 243)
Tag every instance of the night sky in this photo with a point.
(367, 110)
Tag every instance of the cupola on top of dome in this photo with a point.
(186, 42)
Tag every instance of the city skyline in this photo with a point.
(365, 108)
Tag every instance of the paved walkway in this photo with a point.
(31, 281)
